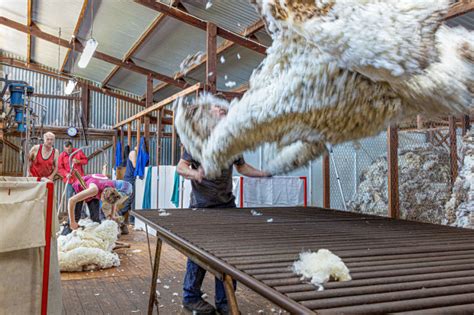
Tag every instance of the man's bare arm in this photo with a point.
(184, 169)
(55, 163)
(250, 171)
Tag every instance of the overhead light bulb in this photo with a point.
(71, 84)
(86, 55)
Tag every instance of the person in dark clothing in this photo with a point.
(207, 193)
(130, 202)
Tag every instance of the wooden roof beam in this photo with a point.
(161, 104)
(460, 8)
(252, 29)
(201, 24)
(77, 27)
(29, 22)
(34, 31)
(65, 77)
(145, 35)
(37, 68)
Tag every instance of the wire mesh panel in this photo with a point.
(348, 162)
(424, 172)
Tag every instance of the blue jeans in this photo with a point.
(193, 282)
(129, 204)
(94, 210)
(69, 192)
(195, 275)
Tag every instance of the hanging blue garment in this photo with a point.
(146, 204)
(142, 160)
(175, 194)
(118, 154)
(126, 152)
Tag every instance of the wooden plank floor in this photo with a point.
(124, 290)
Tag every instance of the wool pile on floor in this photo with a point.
(89, 248)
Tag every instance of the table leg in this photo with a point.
(154, 278)
(230, 294)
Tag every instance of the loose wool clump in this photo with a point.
(90, 248)
(460, 208)
(337, 71)
(321, 266)
(189, 62)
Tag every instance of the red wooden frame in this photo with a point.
(47, 248)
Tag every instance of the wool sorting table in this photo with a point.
(396, 266)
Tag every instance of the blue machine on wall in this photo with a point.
(19, 91)
(17, 102)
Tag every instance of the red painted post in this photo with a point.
(47, 249)
(241, 191)
(305, 192)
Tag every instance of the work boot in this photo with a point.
(200, 307)
(224, 309)
(124, 225)
(124, 229)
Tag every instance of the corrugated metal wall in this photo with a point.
(102, 111)
(65, 113)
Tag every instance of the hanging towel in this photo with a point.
(146, 204)
(126, 152)
(175, 194)
(118, 155)
(142, 160)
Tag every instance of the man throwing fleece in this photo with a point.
(215, 193)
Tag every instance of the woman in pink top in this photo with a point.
(98, 188)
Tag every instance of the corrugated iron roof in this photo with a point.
(13, 42)
(233, 15)
(46, 53)
(14, 9)
(117, 26)
(465, 20)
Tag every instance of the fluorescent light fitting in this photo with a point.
(86, 55)
(71, 84)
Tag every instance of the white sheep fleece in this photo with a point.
(92, 246)
(336, 76)
(321, 266)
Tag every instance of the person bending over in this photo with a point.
(97, 188)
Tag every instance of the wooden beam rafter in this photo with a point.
(29, 23)
(252, 29)
(34, 31)
(65, 77)
(142, 39)
(160, 105)
(211, 63)
(460, 8)
(77, 27)
(199, 23)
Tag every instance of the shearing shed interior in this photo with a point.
(236, 157)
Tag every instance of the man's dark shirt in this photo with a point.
(213, 193)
